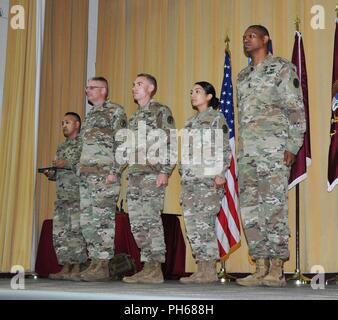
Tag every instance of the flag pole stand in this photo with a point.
(333, 280)
(298, 278)
(222, 274)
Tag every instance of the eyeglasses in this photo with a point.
(93, 87)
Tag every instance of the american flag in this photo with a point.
(227, 222)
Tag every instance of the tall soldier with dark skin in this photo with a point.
(271, 131)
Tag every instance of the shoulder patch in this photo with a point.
(225, 128)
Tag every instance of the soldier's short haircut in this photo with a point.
(101, 79)
(151, 79)
(264, 31)
(209, 89)
(75, 116)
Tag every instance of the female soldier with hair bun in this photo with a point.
(205, 158)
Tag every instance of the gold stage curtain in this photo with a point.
(17, 144)
(182, 41)
(63, 78)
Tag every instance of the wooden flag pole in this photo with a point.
(227, 43)
(297, 23)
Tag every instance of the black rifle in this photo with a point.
(42, 170)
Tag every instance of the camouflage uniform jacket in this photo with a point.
(270, 108)
(155, 116)
(67, 181)
(98, 134)
(209, 165)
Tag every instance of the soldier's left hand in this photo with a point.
(161, 180)
(49, 173)
(219, 182)
(289, 158)
(59, 163)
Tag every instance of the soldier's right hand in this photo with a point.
(110, 179)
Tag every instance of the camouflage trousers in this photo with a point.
(145, 203)
(69, 244)
(98, 206)
(201, 202)
(264, 205)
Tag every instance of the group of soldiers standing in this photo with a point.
(271, 129)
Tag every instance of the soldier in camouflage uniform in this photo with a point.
(69, 244)
(100, 178)
(147, 181)
(271, 131)
(203, 179)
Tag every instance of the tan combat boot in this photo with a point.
(147, 268)
(275, 277)
(154, 276)
(256, 279)
(210, 273)
(206, 273)
(98, 272)
(91, 266)
(74, 275)
(193, 278)
(62, 274)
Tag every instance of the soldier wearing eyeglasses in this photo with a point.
(100, 177)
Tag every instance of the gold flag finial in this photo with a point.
(336, 11)
(227, 41)
(297, 23)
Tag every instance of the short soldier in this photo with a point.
(271, 131)
(100, 178)
(69, 244)
(203, 166)
(147, 179)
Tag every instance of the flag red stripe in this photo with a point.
(225, 223)
(232, 207)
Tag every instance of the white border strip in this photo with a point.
(92, 41)
(40, 21)
(331, 186)
(4, 5)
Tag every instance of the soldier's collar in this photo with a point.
(206, 110)
(268, 57)
(147, 105)
(103, 105)
(69, 140)
(106, 103)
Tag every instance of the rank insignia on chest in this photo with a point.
(123, 123)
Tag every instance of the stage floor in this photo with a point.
(45, 289)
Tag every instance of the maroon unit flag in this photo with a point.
(303, 160)
(332, 174)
